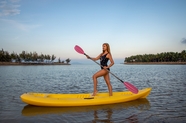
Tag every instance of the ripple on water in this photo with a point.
(167, 101)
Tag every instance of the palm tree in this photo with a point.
(34, 56)
(67, 60)
(59, 60)
(183, 55)
(53, 58)
(41, 57)
(18, 59)
(7, 57)
(2, 57)
(22, 55)
(13, 56)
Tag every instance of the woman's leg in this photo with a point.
(107, 80)
(100, 73)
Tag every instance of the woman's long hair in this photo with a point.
(108, 47)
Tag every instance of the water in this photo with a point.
(165, 104)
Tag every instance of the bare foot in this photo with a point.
(94, 93)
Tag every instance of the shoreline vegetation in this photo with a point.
(155, 63)
(32, 58)
(16, 63)
(169, 58)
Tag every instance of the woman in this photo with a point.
(104, 57)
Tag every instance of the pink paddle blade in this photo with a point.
(79, 49)
(131, 87)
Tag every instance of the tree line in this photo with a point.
(5, 56)
(159, 57)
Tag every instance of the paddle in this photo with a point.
(128, 85)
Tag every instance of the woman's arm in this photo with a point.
(97, 58)
(109, 56)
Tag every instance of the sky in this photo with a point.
(131, 27)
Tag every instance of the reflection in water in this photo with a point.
(102, 113)
(108, 117)
(132, 119)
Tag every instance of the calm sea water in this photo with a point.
(165, 104)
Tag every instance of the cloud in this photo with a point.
(14, 1)
(21, 26)
(9, 7)
(183, 41)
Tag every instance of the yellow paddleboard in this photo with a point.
(84, 99)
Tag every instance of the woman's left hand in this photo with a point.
(105, 67)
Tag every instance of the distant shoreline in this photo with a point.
(13, 63)
(155, 63)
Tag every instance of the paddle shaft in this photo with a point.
(106, 69)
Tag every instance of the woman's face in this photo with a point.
(104, 47)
